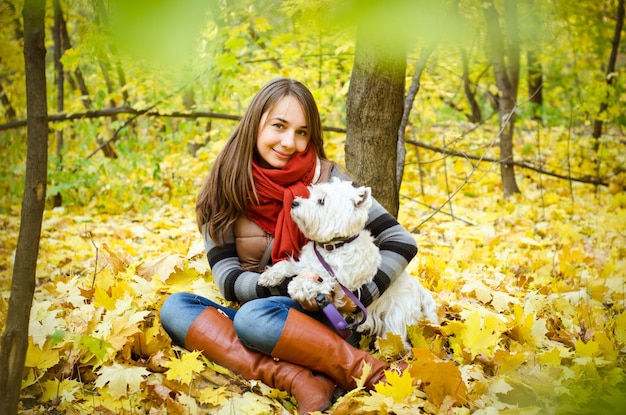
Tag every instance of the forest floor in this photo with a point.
(530, 290)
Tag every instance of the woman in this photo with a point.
(242, 210)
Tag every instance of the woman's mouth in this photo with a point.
(282, 155)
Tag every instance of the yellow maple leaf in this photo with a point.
(189, 404)
(249, 404)
(482, 292)
(182, 279)
(375, 403)
(66, 390)
(145, 292)
(102, 298)
(589, 349)
(483, 333)
(215, 396)
(620, 328)
(417, 337)
(69, 292)
(391, 345)
(551, 358)
(43, 322)
(184, 368)
(607, 349)
(121, 379)
(499, 386)
(501, 301)
(161, 267)
(398, 386)
(113, 260)
(454, 327)
(508, 361)
(116, 329)
(41, 357)
(360, 382)
(441, 378)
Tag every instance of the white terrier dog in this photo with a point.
(333, 218)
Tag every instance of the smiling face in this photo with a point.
(283, 131)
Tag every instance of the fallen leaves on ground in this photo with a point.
(531, 301)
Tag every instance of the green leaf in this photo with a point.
(97, 347)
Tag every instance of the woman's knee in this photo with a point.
(259, 323)
(179, 311)
(170, 306)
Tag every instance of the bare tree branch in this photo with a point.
(524, 165)
(107, 112)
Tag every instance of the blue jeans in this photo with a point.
(258, 323)
(180, 310)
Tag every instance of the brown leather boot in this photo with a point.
(214, 335)
(307, 342)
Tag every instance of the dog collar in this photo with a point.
(332, 247)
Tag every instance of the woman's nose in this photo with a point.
(288, 139)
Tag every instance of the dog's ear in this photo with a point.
(364, 194)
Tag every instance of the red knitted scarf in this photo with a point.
(276, 189)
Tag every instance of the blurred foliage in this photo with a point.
(540, 276)
(212, 56)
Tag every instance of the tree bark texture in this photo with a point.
(15, 337)
(475, 114)
(406, 112)
(506, 103)
(59, 49)
(535, 68)
(373, 116)
(535, 83)
(619, 24)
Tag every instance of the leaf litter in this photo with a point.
(531, 300)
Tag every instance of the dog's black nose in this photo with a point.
(295, 203)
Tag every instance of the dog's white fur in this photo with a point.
(332, 213)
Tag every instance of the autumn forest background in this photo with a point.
(528, 269)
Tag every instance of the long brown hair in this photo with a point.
(229, 187)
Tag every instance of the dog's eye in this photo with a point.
(320, 201)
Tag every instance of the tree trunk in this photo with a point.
(535, 69)
(15, 337)
(475, 115)
(9, 111)
(535, 83)
(512, 44)
(506, 103)
(619, 24)
(80, 80)
(373, 115)
(408, 105)
(59, 22)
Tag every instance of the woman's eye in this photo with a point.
(278, 125)
(303, 133)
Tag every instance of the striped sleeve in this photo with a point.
(233, 281)
(397, 248)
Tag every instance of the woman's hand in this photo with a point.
(310, 305)
(348, 307)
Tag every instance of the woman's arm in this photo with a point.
(397, 248)
(233, 281)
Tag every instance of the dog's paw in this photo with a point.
(270, 278)
(302, 289)
(275, 274)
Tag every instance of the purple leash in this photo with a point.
(342, 326)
